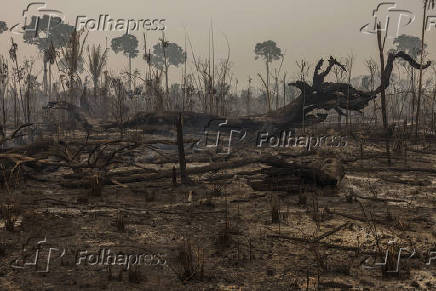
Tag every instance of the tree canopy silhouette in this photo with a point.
(173, 52)
(128, 45)
(3, 27)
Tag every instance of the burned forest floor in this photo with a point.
(375, 229)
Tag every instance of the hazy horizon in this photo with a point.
(308, 29)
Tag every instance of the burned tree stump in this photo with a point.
(174, 176)
(97, 183)
(284, 176)
(275, 209)
(181, 149)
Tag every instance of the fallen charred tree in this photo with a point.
(320, 95)
(282, 176)
(291, 177)
(338, 96)
(111, 176)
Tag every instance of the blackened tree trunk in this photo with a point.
(44, 77)
(49, 81)
(427, 5)
(381, 45)
(130, 73)
(180, 144)
(268, 97)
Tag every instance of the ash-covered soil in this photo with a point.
(217, 233)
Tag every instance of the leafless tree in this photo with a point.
(304, 68)
(372, 66)
(428, 4)
(381, 46)
(349, 67)
(4, 80)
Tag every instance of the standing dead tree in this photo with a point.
(203, 83)
(18, 75)
(30, 84)
(433, 101)
(276, 78)
(4, 80)
(304, 68)
(181, 149)
(339, 78)
(372, 68)
(349, 66)
(428, 4)
(381, 47)
(222, 86)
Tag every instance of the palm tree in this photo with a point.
(50, 58)
(166, 54)
(269, 51)
(48, 39)
(428, 4)
(97, 60)
(3, 26)
(128, 45)
(72, 56)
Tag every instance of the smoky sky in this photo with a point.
(307, 29)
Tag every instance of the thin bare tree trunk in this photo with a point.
(433, 101)
(413, 89)
(249, 96)
(284, 90)
(268, 97)
(181, 148)
(383, 88)
(44, 81)
(277, 92)
(16, 117)
(3, 96)
(49, 81)
(130, 73)
(348, 92)
(418, 107)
